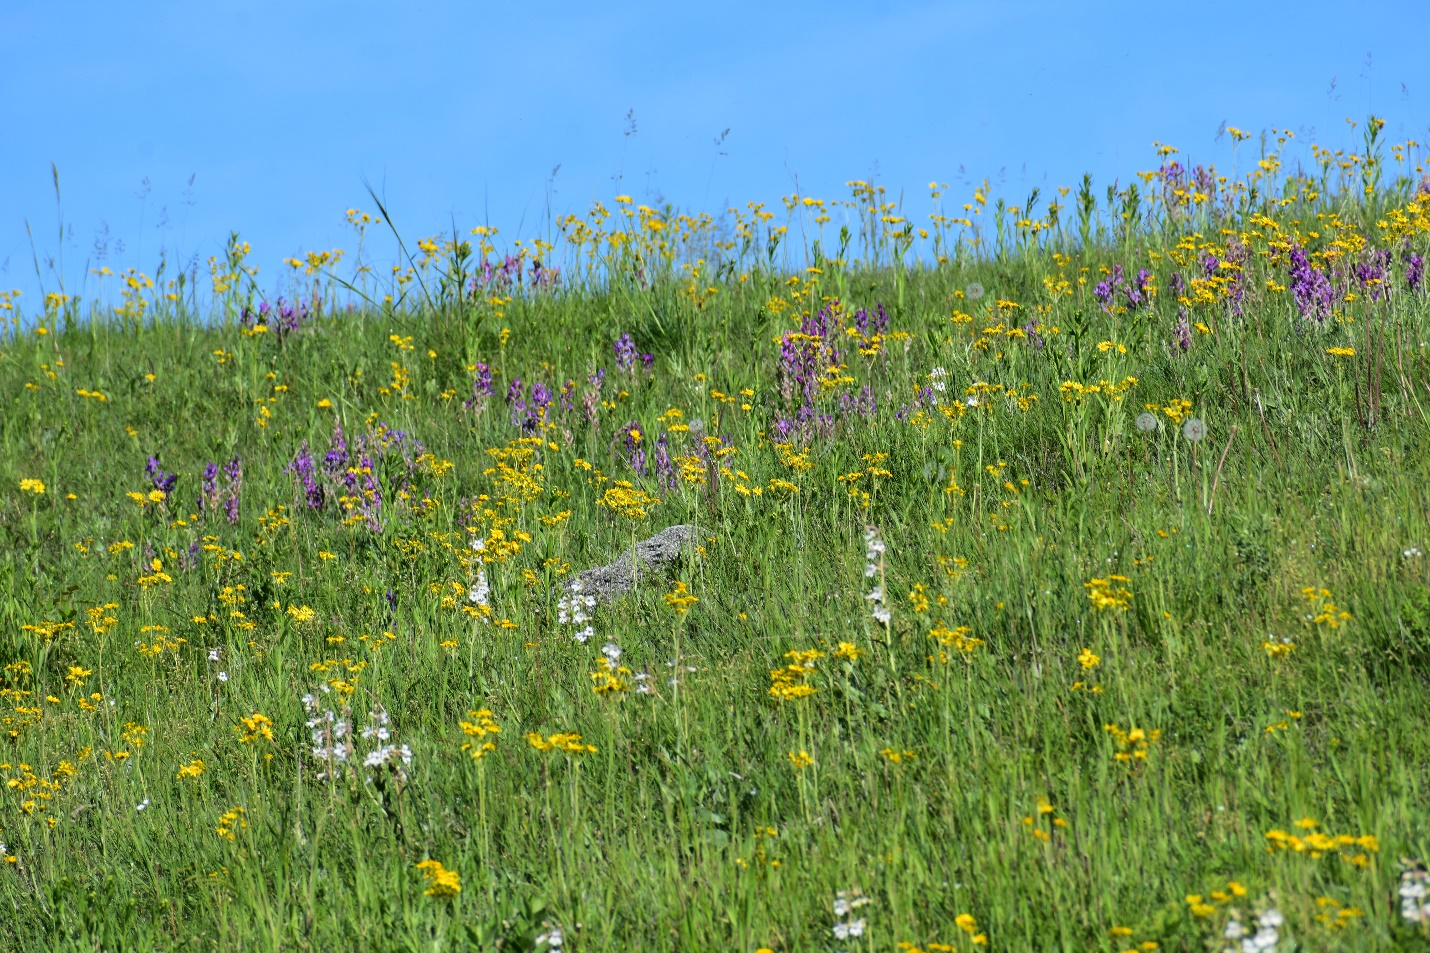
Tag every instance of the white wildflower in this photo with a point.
(1414, 889)
(388, 754)
(480, 592)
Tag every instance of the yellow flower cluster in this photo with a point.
(1074, 392)
(680, 599)
(231, 822)
(607, 680)
(1132, 743)
(1198, 907)
(478, 729)
(1109, 593)
(1325, 612)
(960, 638)
(965, 922)
(1175, 410)
(1043, 809)
(625, 500)
(792, 681)
(441, 882)
(1316, 844)
(568, 741)
(253, 727)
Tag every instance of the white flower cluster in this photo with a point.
(874, 550)
(937, 379)
(845, 903)
(1415, 895)
(552, 938)
(214, 657)
(385, 753)
(480, 593)
(332, 736)
(571, 610)
(1267, 935)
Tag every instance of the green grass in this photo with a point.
(690, 826)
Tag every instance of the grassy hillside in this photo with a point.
(1062, 592)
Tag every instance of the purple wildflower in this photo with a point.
(865, 404)
(481, 388)
(805, 356)
(208, 500)
(1370, 273)
(335, 461)
(1140, 291)
(1104, 289)
(1181, 334)
(1310, 289)
(1239, 255)
(304, 474)
(626, 352)
(233, 472)
(805, 427)
(633, 438)
(665, 473)
(869, 325)
(591, 399)
(1205, 180)
(163, 482)
(515, 395)
(1414, 270)
(540, 399)
(1034, 339)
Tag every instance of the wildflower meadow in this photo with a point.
(1058, 579)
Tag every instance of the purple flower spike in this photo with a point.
(1310, 288)
(626, 353)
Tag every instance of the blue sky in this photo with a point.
(452, 110)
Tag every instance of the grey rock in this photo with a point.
(651, 557)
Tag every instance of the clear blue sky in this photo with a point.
(278, 111)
